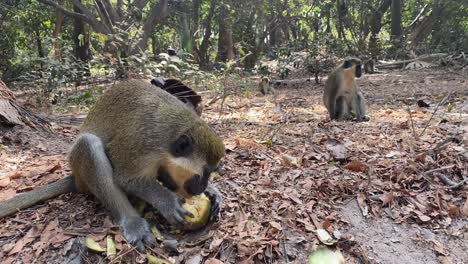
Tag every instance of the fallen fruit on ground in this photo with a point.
(199, 206)
(326, 256)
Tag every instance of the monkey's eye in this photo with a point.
(183, 146)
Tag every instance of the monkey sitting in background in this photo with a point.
(143, 142)
(264, 86)
(342, 97)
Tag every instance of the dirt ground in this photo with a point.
(391, 190)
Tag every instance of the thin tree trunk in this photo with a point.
(58, 27)
(81, 39)
(203, 56)
(225, 44)
(396, 21)
(376, 25)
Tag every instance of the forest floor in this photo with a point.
(391, 190)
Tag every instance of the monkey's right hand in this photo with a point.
(137, 232)
(170, 207)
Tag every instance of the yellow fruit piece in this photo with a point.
(199, 206)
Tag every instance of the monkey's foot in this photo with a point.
(363, 119)
(137, 232)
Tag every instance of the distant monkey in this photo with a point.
(264, 86)
(342, 97)
(369, 66)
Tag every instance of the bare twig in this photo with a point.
(412, 123)
(439, 169)
(122, 255)
(282, 238)
(433, 113)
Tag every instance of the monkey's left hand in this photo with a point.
(216, 201)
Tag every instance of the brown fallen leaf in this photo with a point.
(424, 218)
(361, 200)
(276, 225)
(290, 161)
(439, 248)
(357, 166)
(387, 198)
(213, 261)
(7, 194)
(445, 260)
(465, 208)
(14, 175)
(454, 211)
(20, 244)
(337, 149)
(4, 182)
(294, 197)
(46, 234)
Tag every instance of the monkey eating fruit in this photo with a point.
(342, 97)
(143, 142)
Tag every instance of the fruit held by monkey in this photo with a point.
(200, 207)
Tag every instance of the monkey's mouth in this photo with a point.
(193, 186)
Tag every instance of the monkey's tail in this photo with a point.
(40, 194)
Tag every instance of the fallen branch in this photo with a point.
(398, 64)
(451, 184)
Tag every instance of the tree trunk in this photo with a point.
(341, 10)
(203, 55)
(376, 25)
(157, 13)
(225, 44)
(420, 30)
(396, 21)
(58, 27)
(12, 114)
(81, 39)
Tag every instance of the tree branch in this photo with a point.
(157, 13)
(65, 11)
(93, 22)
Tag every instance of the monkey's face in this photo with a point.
(354, 65)
(194, 155)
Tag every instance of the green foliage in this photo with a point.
(322, 30)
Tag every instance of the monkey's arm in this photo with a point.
(360, 107)
(93, 169)
(168, 203)
(35, 196)
(332, 107)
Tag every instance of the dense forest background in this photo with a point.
(390, 190)
(63, 41)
